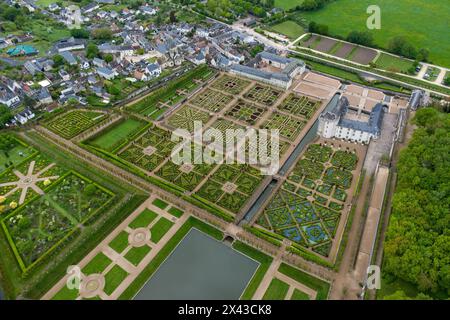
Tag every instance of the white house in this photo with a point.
(106, 73)
(8, 97)
(153, 70)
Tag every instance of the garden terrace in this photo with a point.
(264, 95)
(289, 126)
(229, 84)
(117, 134)
(74, 122)
(231, 186)
(211, 100)
(308, 206)
(155, 104)
(184, 118)
(299, 106)
(245, 112)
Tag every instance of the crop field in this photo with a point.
(229, 84)
(116, 134)
(211, 100)
(289, 28)
(422, 23)
(230, 186)
(299, 106)
(307, 208)
(184, 118)
(393, 63)
(74, 122)
(172, 93)
(43, 204)
(263, 94)
(246, 112)
(289, 126)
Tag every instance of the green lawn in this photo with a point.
(143, 219)
(15, 155)
(120, 242)
(160, 203)
(114, 278)
(393, 63)
(423, 23)
(135, 255)
(159, 229)
(97, 265)
(113, 136)
(175, 212)
(299, 295)
(290, 29)
(287, 4)
(277, 290)
(264, 264)
(308, 280)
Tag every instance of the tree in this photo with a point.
(102, 34)
(58, 60)
(400, 46)
(91, 51)
(364, 38)
(80, 33)
(5, 115)
(172, 17)
(108, 58)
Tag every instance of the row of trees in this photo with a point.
(417, 246)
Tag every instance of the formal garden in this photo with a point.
(155, 104)
(211, 100)
(308, 206)
(289, 126)
(299, 106)
(133, 243)
(264, 95)
(13, 151)
(231, 186)
(230, 84)
(246, 112)
(74, 122)
(184, 118)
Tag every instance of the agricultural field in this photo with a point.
(264, 95)
(74, 122)
(287, 4)
(230, 186)
(155, 104)
(408, 18)
(307, 208)
(393, 63)
(290, 29)
(116, 134)
(229, 84)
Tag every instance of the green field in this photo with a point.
(287, 4)
(290, 29)
(112, 137)
(277, 290)
(393, 63)
(423, 23)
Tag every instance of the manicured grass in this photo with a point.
(159, 229)
(264, 261)
(290, 29)
(314, 283)
(97, 265)
(14, 156)
(287, 4)
(114, 278)
(137, 284)
(110, 138)
(66, 294)
(175, 212)
(277, 290)
(160, 203)
(299, 295)
(422, 23)
(393, 63)
(135, 255)
(143, 219)
(120, 242)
